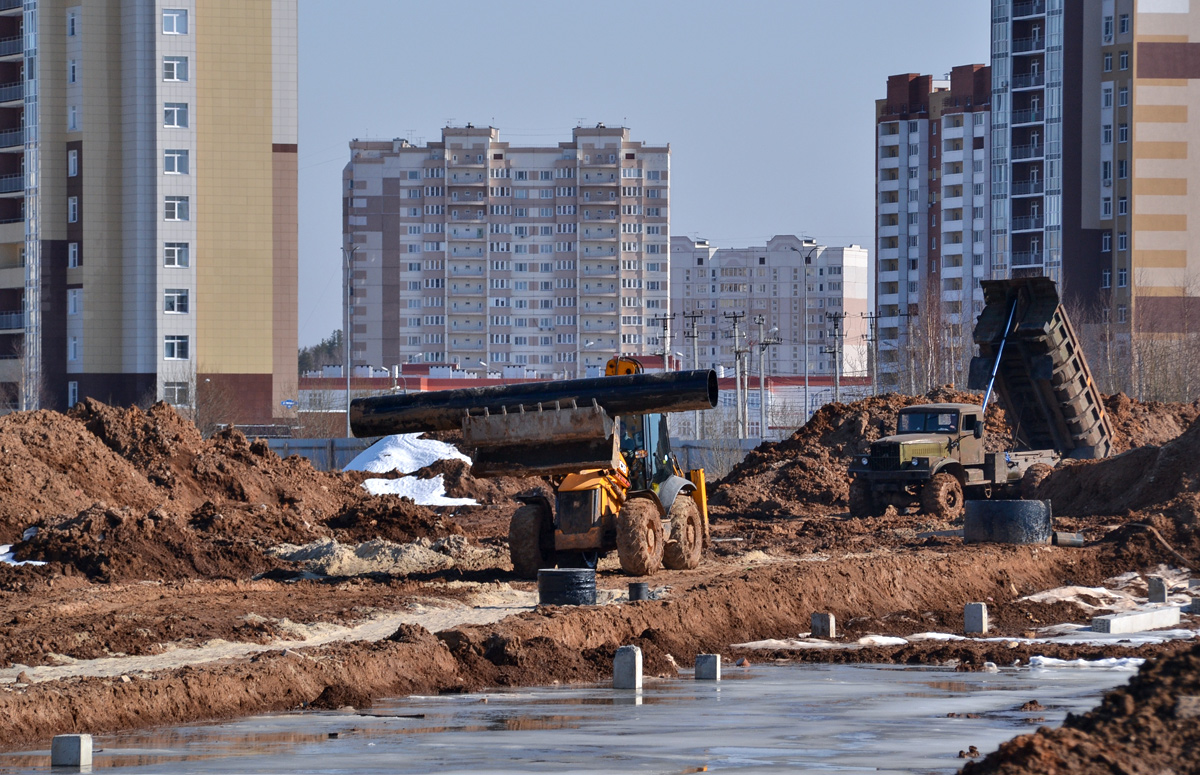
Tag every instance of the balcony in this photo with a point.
(598, 290)
(466, 179)
(466, 308)
(11, 47)
(12, 92)
(1026, 45)
(598, 179)
(12, 184)
(1028, 187)
(599, 234)
(1028, 116)
(1027, 152)
(608, 271)
(12, 320)
(1029, 81)
(600, 252)
(8, 6)
(1028, 223)
(1032, 8)
(1030, 258)
(12, 138)
(594, 197)
(467, 197)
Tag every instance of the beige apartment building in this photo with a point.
(472, 251)
(822, 329)
(148, 202)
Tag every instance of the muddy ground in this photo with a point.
(163, 545)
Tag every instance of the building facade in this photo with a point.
(711, 287)
(148, 203)
(933, 224)
(475, 252)
(1092, 172)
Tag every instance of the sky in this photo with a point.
(768, 106)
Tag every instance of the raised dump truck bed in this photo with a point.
(1042, 377)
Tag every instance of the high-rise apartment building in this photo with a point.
(710, 284)
(933, 221)
(148, 202)
(476, 252)
(1092, 166)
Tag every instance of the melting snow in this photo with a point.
(6, 557)
(425, 492)
(405, 452)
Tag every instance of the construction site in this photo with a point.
(154, 577)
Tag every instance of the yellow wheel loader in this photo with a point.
(601, 443)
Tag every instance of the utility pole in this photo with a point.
(763, 343)
(812, 248)
(839, 333)
(348, 261)
(692, 333)
(736, 317)
(665, 322)
(873, 337)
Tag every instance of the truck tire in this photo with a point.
(863, 502)
(1033, 478)
(531, 540)
(682, 551)
(942, 496)
(639, 537)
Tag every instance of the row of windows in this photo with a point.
(174, 22)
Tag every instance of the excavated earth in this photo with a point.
(160, 544)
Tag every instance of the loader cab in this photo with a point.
(646, 447)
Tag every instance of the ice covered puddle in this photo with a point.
(405, 453)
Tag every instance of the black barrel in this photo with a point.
(1007, 522)
(567, 586)
(639, 590)
(443, 410)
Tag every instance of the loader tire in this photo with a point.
(863, 502)
(640, 537)
(1033, 478)
(531, 540)
(942, 496)
(683, 548)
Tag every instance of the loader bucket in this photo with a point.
(541, 442)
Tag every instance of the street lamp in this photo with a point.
(807, 260)
(347, 263)
(483, 374)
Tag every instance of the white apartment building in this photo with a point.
(475, 252)
(710, 285)
(933, 223)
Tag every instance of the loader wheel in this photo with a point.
(531, 540)
(682, 551)
(863, 502)
(1033, 478)
(942, 496)
(639, 537)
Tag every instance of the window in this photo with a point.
(72, 119)
(1123, 100)
(175, 393)
(1105, 278)
(1123, 25)
(1123, 205)
(73, 254)
(1108, 63)
(1106, 207)
(72, 163)
(1106, 96)
(1122, 314)
(1122, 168)
(175, 300)
(175, 114)
(175, 21)
(175, 68)
(1108, 28)
(72, 71)
(74, 301)
(1122, 277)
(175, 348)
(1106, 134)
(72, 393)
(175, 254)
(1106, 242)
(1124, 60)
(73, 209)
(175, 161)
(74, 348)
(1123, 240)
(72, 23)
(176, 208)
(1123, 133)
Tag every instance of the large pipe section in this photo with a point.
(443, 410)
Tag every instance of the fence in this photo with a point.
(324, 454)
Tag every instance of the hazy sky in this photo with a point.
(768, 106)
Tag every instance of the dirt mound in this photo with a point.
(456, 475)
(387, 516)
(808, 470)
(1132, 481)
(1152, 725)
(1141, 423)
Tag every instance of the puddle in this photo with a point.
(767, 718)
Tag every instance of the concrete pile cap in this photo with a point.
(71, 751)
(708, 667)
(1137, 621)
(627, 668)
(975, 619)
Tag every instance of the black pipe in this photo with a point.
(443, 410)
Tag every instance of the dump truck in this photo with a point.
(601, 443)
(1030, 357)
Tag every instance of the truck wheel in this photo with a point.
(1033, 478)
(942, 496)
(531, 540)
(862, 501)
(682, 551)
(639, 537)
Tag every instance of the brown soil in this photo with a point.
(1139, 423)
(806, 473)
(1151, 726)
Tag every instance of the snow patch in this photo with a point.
(6, 557)
(424, 492)
(1111, 663)
(405, 453)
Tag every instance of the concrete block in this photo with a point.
(708, 667)
(627, 668)
(1137, 621)
(71, 751)
(824, 626)
(1193, 607)
(1158, 589)
(975, 619)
